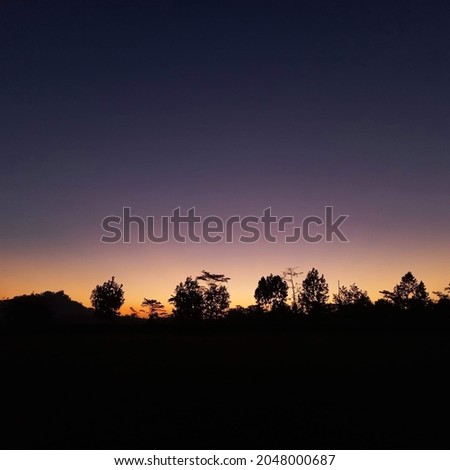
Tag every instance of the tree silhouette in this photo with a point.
(212, 278)
(271, 292)
(155, 308)
(108, 298)
(408, 293)
(216, 301)
(134, 313)
(421, 297)
(216, 298)
(314, 292)
(443, 295)
(443, 303)
(188, 300)
(289, 276)
(352, 295)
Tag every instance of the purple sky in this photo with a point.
(230, 107)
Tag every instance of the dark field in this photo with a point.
(271, 387)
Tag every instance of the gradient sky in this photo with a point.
(231, 107)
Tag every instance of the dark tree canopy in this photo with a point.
(155, 308)
(107, 298)
(193, 300)
(188, 300)
(272, 292)
(211, 278)
(352, 295)
(314, 293)
(216, 298)
(216, 301)
(408, 293)
(444, 297)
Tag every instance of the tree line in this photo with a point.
(206, 296)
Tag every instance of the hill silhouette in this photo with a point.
(46, 308)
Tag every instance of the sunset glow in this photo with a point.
(295, 131)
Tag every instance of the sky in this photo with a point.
(229, 107)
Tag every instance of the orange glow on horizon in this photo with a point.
(154, 271)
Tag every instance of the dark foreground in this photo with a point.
(207, 387)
